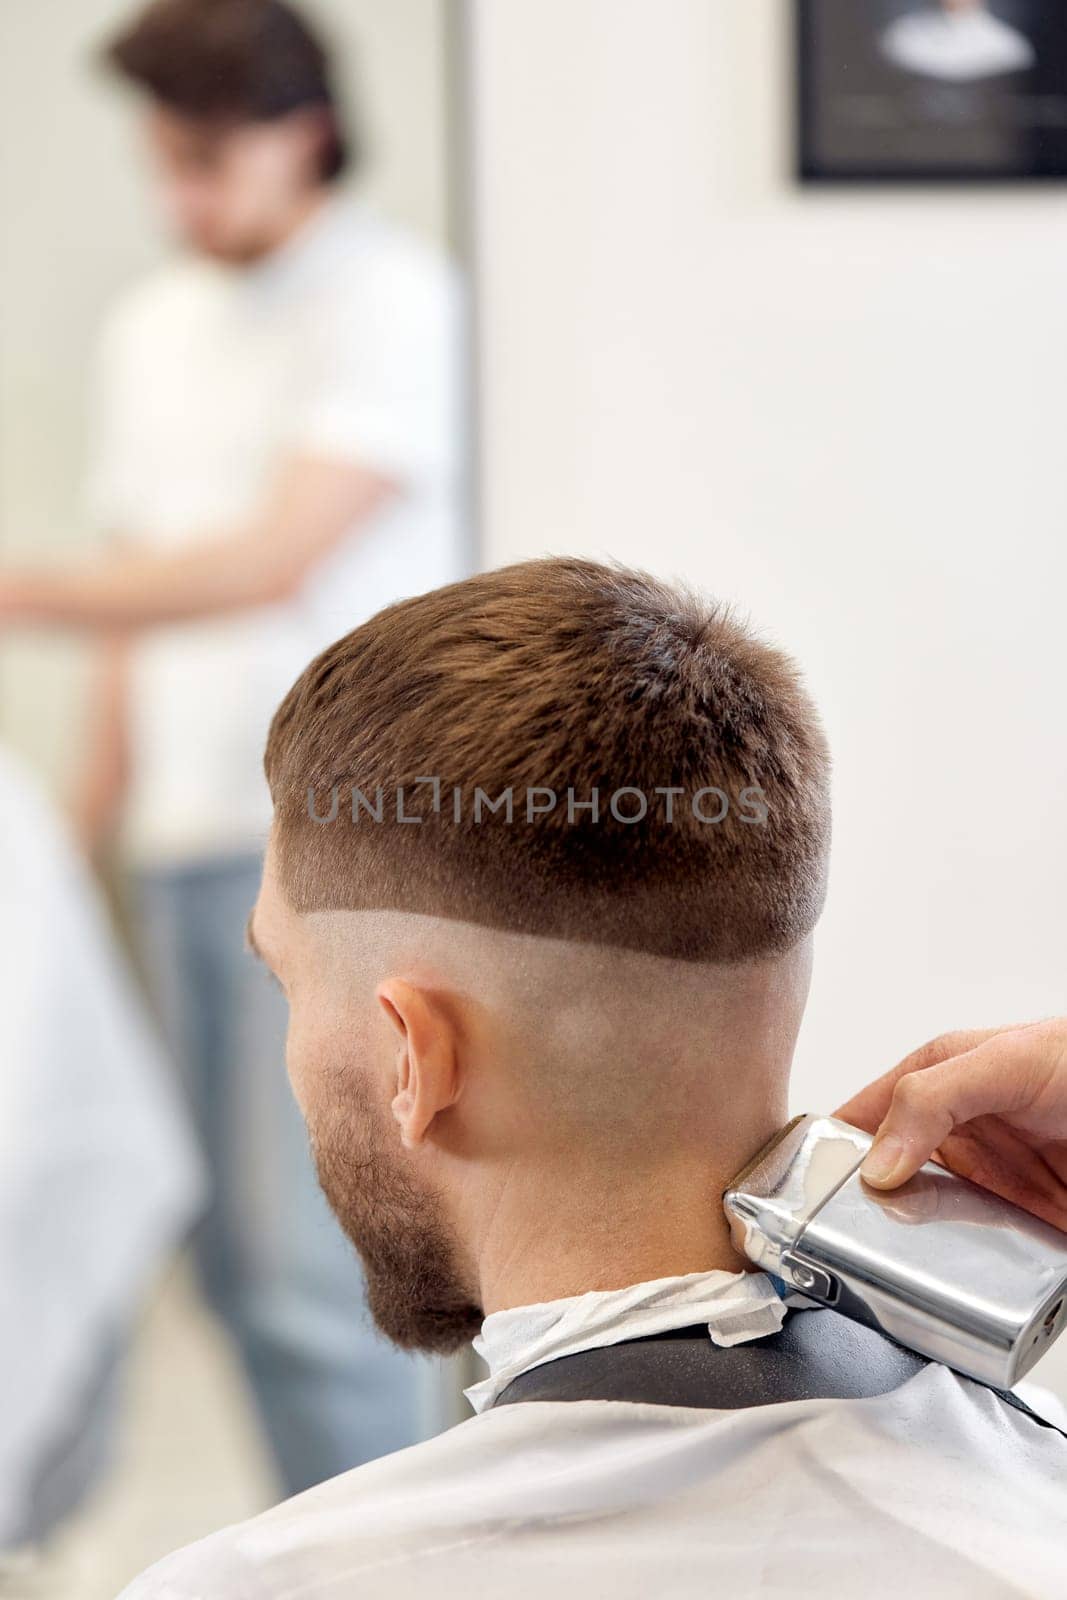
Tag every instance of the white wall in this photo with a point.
(842, 410)
(78, 226)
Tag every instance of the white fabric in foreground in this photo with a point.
(936, 1489)
(98, 1174)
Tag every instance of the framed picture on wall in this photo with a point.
(914, 90)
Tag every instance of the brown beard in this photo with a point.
(415, 1291)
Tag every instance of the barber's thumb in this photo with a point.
(886, 1163)
(911, 1131)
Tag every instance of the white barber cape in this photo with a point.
(938, 1489)
(98, 1175)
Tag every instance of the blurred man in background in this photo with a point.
(277, 457)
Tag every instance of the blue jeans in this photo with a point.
(273, 1261)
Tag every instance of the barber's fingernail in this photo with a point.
(883, 1159)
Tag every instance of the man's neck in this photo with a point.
(572, 1238)
(300, 217)
(285, 235)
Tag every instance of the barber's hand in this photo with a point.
(989, 1104)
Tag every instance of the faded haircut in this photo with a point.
(594, 684)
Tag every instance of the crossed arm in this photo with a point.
(315, 502)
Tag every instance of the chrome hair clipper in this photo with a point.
(940, 1265)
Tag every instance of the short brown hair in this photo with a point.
(232, 61)
(564, 676)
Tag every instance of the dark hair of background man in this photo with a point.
(230, 62)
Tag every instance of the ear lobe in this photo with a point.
(427, 1076)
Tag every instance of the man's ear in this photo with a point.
(427, 1064)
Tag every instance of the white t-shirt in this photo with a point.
(959, 47)
(937, 1489)
(347, 343)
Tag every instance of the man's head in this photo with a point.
(242, 121)
(548, 849)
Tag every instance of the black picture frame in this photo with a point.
(863, 119)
